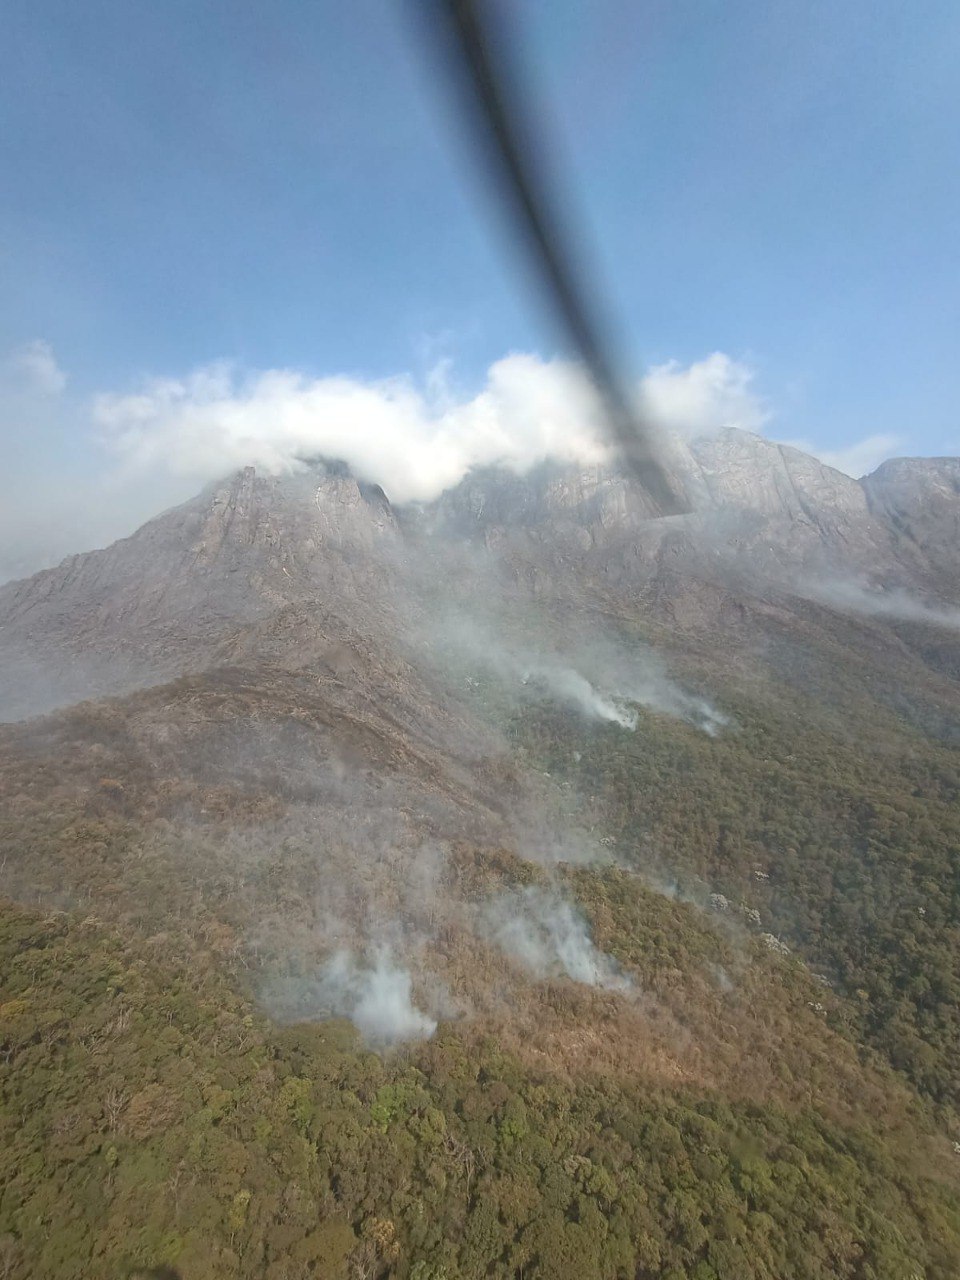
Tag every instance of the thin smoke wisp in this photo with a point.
(376, 994)
(570, 687)
(545, 934)
(851, 596)
(598, 675)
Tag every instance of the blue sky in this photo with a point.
(284, 186)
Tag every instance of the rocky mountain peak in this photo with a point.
(256, 548)
(736, 469)
(918, 499)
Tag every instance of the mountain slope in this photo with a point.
(194, 582)
(630, 848)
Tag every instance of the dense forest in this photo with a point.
(846, 844)
(150, 1114)
(771, 1092)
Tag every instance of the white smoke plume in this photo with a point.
(647, 686)
(657, 692)
(376, 995)
(548, 936)
(851, 596)
(603, 679)
(573, 689)
(649, 689)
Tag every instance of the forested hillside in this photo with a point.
(150, 1114)
(721, 1122)
(508, 889)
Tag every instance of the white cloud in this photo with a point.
(857, 459)
(703, 397)
(414, 441)
(33, 415)
(31, 372)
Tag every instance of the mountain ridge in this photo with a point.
(179, 591)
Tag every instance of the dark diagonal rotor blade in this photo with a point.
(479, 50)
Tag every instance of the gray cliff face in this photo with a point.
(918, 500)
(283, 535)
(291, 570)
(170, 598)
(747, 473)
(734, 472)
(758, 507)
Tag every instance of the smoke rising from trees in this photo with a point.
(545, 934)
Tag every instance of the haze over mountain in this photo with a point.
(565, 810)
(212, 579)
